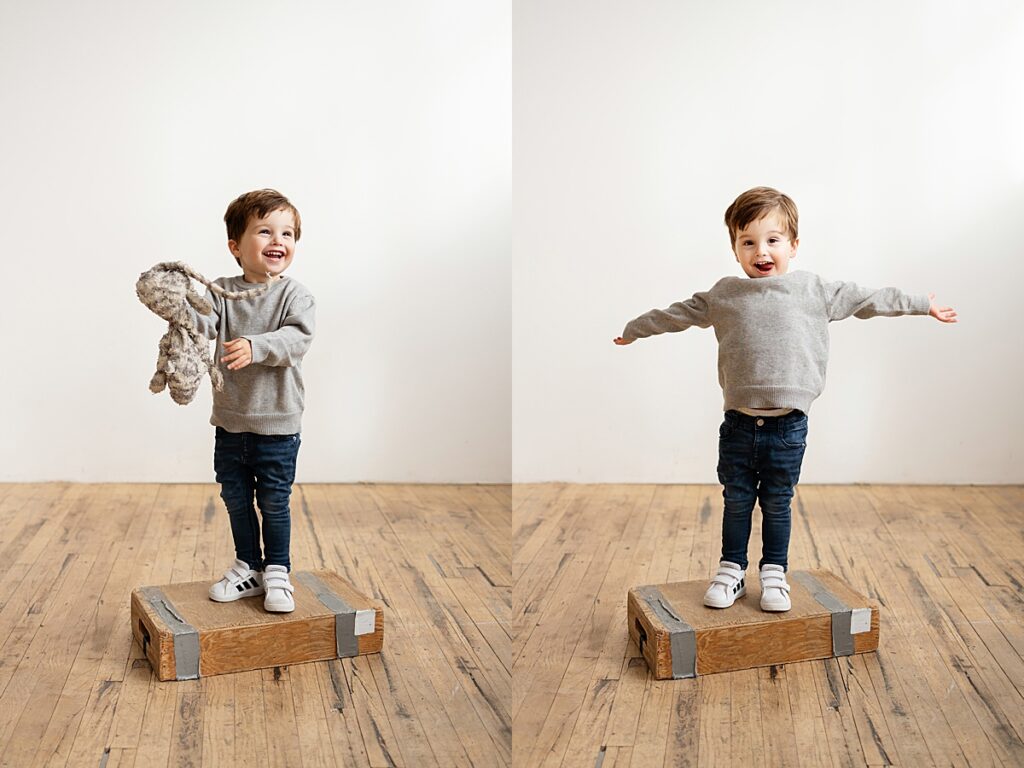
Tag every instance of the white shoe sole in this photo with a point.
(713, 602)
(775, 607)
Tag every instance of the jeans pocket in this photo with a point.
(725, 430)
(794, 434)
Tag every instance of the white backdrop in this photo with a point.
(897, 128)
(129, 127)
(489, 191)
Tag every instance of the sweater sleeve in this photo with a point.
(846, 299)
(287, 345)
(208, 325)
(678, 317)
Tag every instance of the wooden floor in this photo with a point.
(75, 690)
(506, 640)
(945, 563)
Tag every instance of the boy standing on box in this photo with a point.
(258, 414)
(773, 339)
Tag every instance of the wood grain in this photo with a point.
(945, 687)
(76, 689)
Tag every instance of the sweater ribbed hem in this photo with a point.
(799, 398)
(261, 424)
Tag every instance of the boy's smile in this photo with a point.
(763, 247)
(267, 245)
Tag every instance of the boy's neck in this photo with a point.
(253, 277)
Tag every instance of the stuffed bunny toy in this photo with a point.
(184, 354)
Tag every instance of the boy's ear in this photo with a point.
(233, 247)
(796, 244)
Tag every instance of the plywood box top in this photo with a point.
(689, 597)
(193, 599)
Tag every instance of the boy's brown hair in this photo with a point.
(257, 204)
(755, 204)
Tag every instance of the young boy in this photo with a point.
(258, 415)
(773, 339)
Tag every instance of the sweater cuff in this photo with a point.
(920, 304)
(260, 347)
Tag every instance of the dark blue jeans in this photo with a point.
(759, 461)
(252, 466)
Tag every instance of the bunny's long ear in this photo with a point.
(180, 266)
(251, 293)
(202, 306)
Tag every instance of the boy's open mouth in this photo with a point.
(273, 255)
(764, 267)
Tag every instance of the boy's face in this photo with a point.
(763, 248)
(267, 245)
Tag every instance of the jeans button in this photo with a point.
(760, 422)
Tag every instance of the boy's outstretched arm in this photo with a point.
(942, 314)
(845, 300)
(678, 317)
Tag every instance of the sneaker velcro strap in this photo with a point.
(725, 580)
(234, 573)
(774, 583)
(275, 583)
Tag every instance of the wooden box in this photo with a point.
(186, 635)
(679, 637)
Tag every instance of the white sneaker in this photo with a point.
(279, 590)
(727, 586)
(239, 581)
(774, 589)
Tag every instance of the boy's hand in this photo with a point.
(239, 354)
(621, 341)
(942, 314)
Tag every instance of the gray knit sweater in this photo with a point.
(267, 396)
(773, 331)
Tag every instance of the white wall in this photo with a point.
(895, 126)
(490, 190)
(129, 126)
